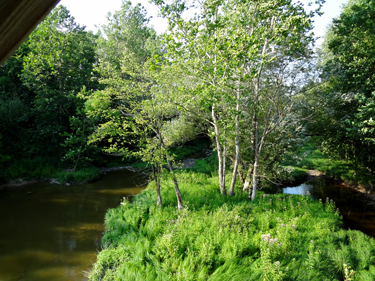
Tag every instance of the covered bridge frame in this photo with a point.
(18, 18)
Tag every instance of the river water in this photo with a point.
(53, 232)
(357, 209)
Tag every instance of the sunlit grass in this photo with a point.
(276, 237)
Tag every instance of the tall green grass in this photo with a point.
(80, 176)
(215, 237)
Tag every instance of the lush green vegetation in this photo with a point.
(309, 157)
(37, 168)
(277, 237)
(341, 99)
(141, 96)
(242, 74)
(191, 149)
(80, 176)
(39, 104)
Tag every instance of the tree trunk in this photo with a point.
(224, 164)
(235, 168)
(256, 154)
(79, 154)
(176, 188)
(258, 151)
(255, 178)
(219, 154)
(237, 144)
(156, 173)
(248, 179)
(240, 173)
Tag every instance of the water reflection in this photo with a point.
(357, 209)
(53, 232)
(301, 189)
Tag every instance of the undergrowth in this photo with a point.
(37, 168)
(215, 237)
(309, 157)
(80, 176)
(192, 149)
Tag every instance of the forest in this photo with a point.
(251, 82)
(245, 79)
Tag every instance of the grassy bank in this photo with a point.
(43, 168)
(276, 237)
(46, 168)
(27, 169)
(309, 157)
(79, 176)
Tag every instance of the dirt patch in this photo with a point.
(188, 163)
(314, 174)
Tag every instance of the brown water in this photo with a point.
(53, 232)
(357, 210)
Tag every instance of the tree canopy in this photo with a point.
(243, 74)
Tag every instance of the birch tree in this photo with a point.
(244, 57)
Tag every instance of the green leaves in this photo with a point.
(58, 66)
(345, 100)
(353, 47)
(126, 110)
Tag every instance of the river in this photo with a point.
(53, 232)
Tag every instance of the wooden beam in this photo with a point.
(18, 18)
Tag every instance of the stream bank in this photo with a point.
(367, 191)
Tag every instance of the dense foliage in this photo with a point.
(342, 100)
(238, 73)
(233, 73)
(40, 86)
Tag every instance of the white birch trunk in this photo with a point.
(219, 154)
(156, 172)
(176, 188)
(237, 145)
(256, 161)
(248, 179)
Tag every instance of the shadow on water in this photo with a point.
(357, 210)
(53, 232)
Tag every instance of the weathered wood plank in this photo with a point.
(18, 18)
